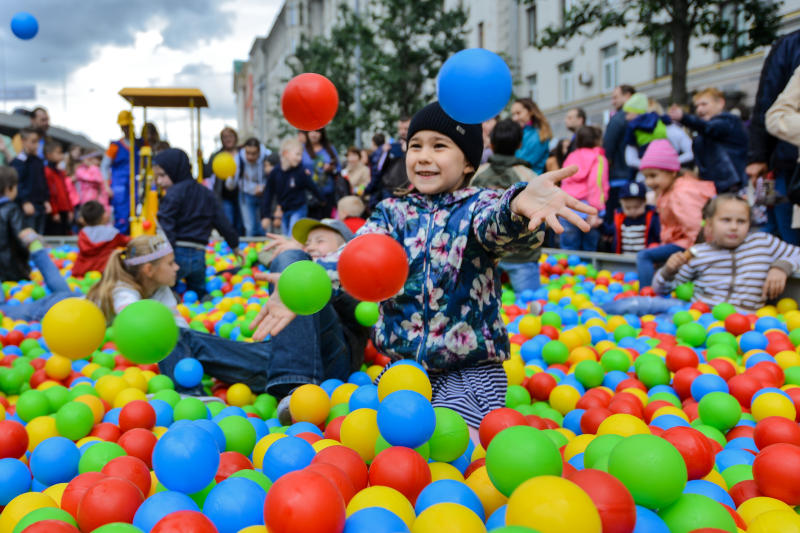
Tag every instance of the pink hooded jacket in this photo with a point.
(681, 210)
(590, 183)
(89, 185)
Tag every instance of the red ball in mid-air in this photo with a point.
(309, 101)
(373, 267)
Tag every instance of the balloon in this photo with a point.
(474, 85)
(74, 327)
(373, 267)
(223, 166)
(304, 287)
(24, 25)
(309, 101)
(145, 332)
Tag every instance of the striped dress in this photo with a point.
(733, 275)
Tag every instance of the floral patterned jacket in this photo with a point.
(448, 314)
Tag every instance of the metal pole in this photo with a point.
(357, 91)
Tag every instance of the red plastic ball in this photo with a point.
(309, 101)
(724, 367)
(776, 470)
(743, 387)
(51, 526)
(137, 414)
(768, 373)
(13, 439)
(348, 460)
(476, 464)
(309, 437)
(741, 431)
(402, 469)
(551, 332)
(681, 357)
(373, 267)
(106, 431)
(14, 338)
(682, 381)
(743, 491)
(112, 499)
(695, 449)
(76, 489)
(337, 476)
(139, 442)
(737, 324)
(184, 522)
(794, 394)
(652, 407)
(540, 384)
(131, 468)
(230, 463)
(303, 502)
(498, 420)
(334, 427)
(592, 418)
(612, 499)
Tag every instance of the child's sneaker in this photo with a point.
(31, 240)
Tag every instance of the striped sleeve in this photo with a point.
(787, 256)
(664, 286)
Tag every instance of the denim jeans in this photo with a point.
(291, 217)
(779, 217)
(37, 220)
(640, 306)
(121, 202)
(646, 261)
(250, 205)
(192, 267)
(234, 214)
(59, 290)
(575, 239)
(523, 276)
(309, 349)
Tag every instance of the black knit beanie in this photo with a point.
(468, 137)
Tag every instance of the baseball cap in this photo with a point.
(304, 226)
(633, 189)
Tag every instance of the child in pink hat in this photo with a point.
(679, 201)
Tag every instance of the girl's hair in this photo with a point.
(537, 118)
(710, 209)
(588, 137)
(72, 163)
(117, 271)
(326, 145)
(354, 150)
(559, 151)
(228, 129)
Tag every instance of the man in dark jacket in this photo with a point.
(34, 194)
(720, 146)
(14, 255)
(187, 215)
(614, 145)
(766, 151)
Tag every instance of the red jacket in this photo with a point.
(95, 244)
(59, 196)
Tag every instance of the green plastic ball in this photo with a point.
(721, 350)
(104, 359)
(653, 373)
(117, 527)
(11, 380)
(98, 455)
(589, 373)
(651, 468)
(519, 453)
(265, 405)
(719, 410)
(31, 404)
(190, 408)
(684, 291)
(56, 397)
(367, 313)
(722, 310)
(624, 331)
(695, 511)
(600, 447)
(82, 389)
(737, 473)
(158, 383)
(691, 333)
(74, 420)
(337, 410)
(304, 287)
(550, 318)
(517, 395)
(145, 332)
(169, 396)
(44, 513)
(615, 360)
(240, 435)
(794, 336)
(214, 408)
(710, 432)
(555, 352)
(450, 437)
(792, 374)
(682, 317)
(255, 476)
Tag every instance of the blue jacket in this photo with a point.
(533, 149)
(614, 145)
(32, 183)
(720, 150)
(782, 61)
(288, 188)
(448, 314)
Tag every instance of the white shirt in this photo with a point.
(124, 295)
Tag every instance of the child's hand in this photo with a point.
(28, 209)
(674, 263)
(274, 316)
(774, 284)
(280, 244)
(48, 208)
(543, 201)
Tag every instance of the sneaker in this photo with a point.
(31, 240)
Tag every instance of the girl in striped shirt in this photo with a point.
(735, 266)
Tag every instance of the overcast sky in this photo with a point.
(94, 48)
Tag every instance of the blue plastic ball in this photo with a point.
(712, 490)
(366, 396)
(24, 25)
(753, 340)
(474, 85)
(498, 518)
(163, 412)
(705, 383)
(160, 505)
(188, 372)
(360, 378)
(186, 458)
(213, 429)
(406, 418)
(449, 490)
(649, 522)
(303, 427)
(329, 385)
(235, 504)
(16, 479)
(287, 455)
(55, 460)
(374, 520)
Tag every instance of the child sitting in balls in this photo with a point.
(733, 266)
(447, 315)
(96, 240)
(636, 225)
(679, 201)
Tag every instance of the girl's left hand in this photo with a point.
(274, 316)
(543, 201)
(774, 284)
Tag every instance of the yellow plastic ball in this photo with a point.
(262, 446)
(581, 353)
(478, 453)
(240, 395)
(785, 521)
(58, 366)
(482, 486)
(577, 445)
(767, 310)
(563, 398)
(128, 395)
(84, 440)
(342, 393)
(515, 371)
(448, 517)
(359, 431)
(89, 369)
(325, 443)
(695, 313)
(750, 509)
(223, 166)
(615, 321)
(671, 410)
(385, 498)
(2, 412)
(444, 471)
(95, 404)
(773, 404)
(716, 478)
(56, 492)
(74, 328)
(404, 377)
(108, 387)
(624, 425)
(254, 529)
(530, 326)
(21, 506)
(309, 403)
(374, 371)
(792, 320)
(571, 338)
(158, 431)
(39, 429)
(705, 368)
(134, 378)
(552, 504)
(787, 358)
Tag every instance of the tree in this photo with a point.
(738, 27)
(402, 46)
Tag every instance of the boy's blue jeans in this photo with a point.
(575, 239)
(58, 287)
(309, 350)
(646, 260)
(251, 214)
(523, 276)
(291, 217)
(192, 267)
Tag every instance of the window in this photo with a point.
(292, 16)
(664, 60)
(610, 67)
(533, 34)
(533, 87)
(480, 35)
(566, 7)
(567, 82)
(738, 38)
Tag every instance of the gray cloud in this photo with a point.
(215, 85)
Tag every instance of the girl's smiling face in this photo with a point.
(520, 114)
(434, 163)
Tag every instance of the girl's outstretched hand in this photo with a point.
(543, 201)
(274, 316)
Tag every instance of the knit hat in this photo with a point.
(468, 137)
(633, 189)
(637, 103)
(660, 154)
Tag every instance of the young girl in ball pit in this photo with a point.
(734, 266)
(447, 316)
(310, 350)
